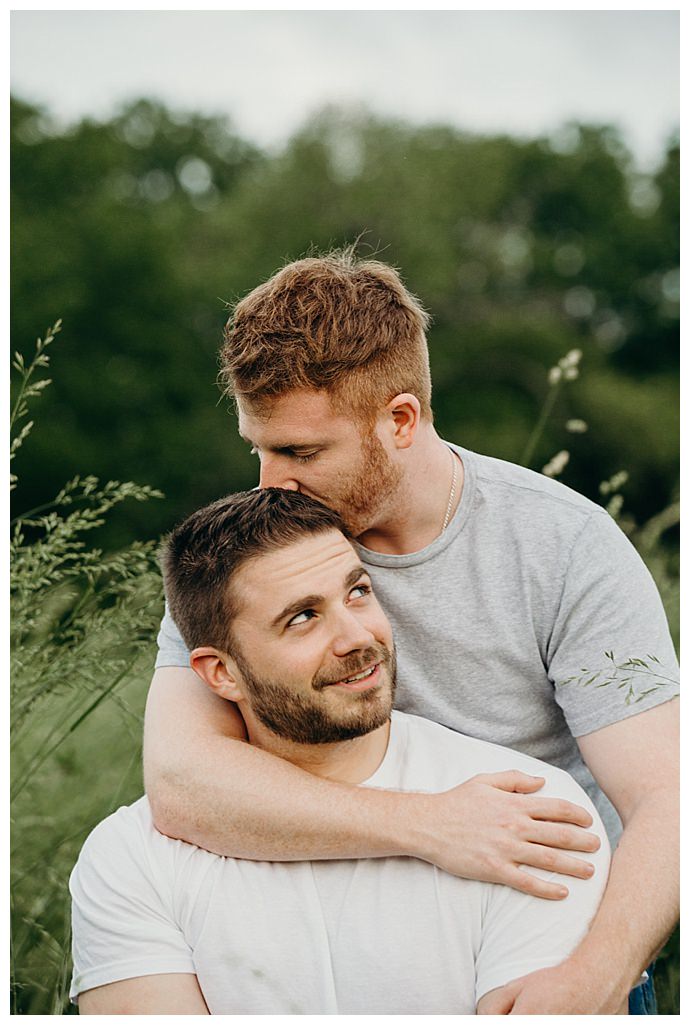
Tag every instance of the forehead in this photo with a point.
(317, 565)
(299, 416)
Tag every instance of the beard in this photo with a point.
(374, 480)
(309, 719)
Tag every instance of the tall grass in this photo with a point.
(82, 644)
(83, 624)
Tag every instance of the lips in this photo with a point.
(360, 671)
(365, 679)
(360, 675)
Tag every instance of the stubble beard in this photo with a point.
(374, 482)
(304, 720)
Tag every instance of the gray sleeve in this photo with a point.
(172, 650)
(610, 654)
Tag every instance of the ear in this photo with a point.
(217, 671)
(404, 414)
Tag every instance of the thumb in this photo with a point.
(513, 781)
(497, 1001)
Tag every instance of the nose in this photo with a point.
(352, 634)
(275, 474)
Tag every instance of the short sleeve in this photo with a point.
(123, 924)
(172, 650)
(520, 933)
(610, 654)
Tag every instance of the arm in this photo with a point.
(636, 764)
(522, 938)
(149, 994)
(501, 1000)
(610, 604)
(207, 786)
(130, 951)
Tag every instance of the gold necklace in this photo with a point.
(451, 496)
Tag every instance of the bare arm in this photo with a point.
(636, 763)
(208, 787)
(149, 994)
(502, 1000)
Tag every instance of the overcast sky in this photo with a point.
(521, 72)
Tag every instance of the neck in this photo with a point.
(415, 514)
(349, 761)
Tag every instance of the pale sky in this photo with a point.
(519, 72)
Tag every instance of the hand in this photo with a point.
(489, 826)
(566, 989)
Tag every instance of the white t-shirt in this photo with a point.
(375, 935)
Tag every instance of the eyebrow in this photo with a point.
(310, 600)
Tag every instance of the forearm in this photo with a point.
(208, 787)
(640, 905)
(280, 813)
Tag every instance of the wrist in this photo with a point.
(415, 827)
(607, 971)
(400, 823)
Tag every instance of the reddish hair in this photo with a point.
(333, 323)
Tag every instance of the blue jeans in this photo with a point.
(642, 999)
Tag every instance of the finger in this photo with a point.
(521, 879)
(567, 838)
(554, 809)
(513, 781)
(536, 856)
(497, 1001)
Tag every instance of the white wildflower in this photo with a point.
(557, 464)
(614, 506)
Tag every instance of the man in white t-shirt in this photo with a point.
(280, 618)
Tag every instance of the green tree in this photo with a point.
(140, 229)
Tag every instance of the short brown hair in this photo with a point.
(200, 557)
(335, 323)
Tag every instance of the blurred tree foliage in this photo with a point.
(139, 230)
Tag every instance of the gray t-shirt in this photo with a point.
(509, 625)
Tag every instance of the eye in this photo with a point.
(305, 458)
(302, 617)
(363, 590)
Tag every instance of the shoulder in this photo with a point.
(498, 474)
(126, 851)
(129, 826)
(507, 498)
(440, 758)
(127, 914)
(544, 520)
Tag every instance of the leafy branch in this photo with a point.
(29, 389)
(623, 676)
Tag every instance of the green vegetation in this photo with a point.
(82, 629)
(138, 231)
